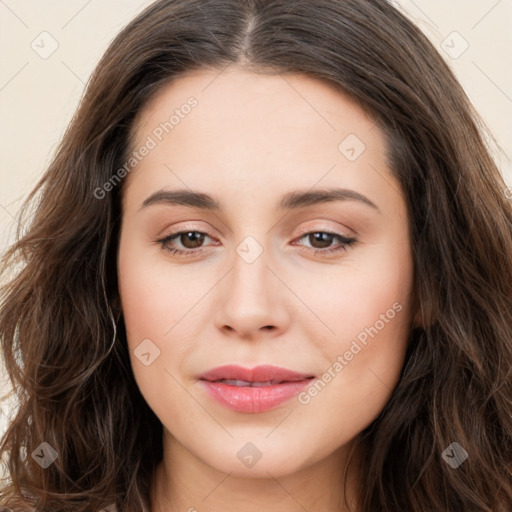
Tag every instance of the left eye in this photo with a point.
(191, 242)
(325, 238)
(189, 239)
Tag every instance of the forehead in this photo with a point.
(256, 130)
(235, 97)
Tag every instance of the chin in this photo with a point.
(253, 459)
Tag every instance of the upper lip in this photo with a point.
(262, 373)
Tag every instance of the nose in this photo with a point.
(252, 300)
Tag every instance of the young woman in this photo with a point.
(269, 268)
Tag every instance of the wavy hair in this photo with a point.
(70, 371)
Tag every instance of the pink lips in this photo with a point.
(253, 390)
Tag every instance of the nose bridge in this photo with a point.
(249, 301)
(250, 272)
(253, 251)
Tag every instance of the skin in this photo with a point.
(251, 139)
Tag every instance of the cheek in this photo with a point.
(152, 294)
(142, 297)
(371, 288)
(156, 300)
(367, 310)
(148, 306)
(360, 380)
(363, 370)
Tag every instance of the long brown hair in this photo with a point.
(71, 371)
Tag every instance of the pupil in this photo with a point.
(324, 238)
(196, 239)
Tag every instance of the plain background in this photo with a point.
(39, 92)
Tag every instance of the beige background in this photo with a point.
(39, 95)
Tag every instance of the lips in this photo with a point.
(234, 382)
(253, 390)
(259, 374)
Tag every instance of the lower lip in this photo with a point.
(254, 399)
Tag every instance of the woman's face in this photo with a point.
(271, 273)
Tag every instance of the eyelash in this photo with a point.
(346, 243)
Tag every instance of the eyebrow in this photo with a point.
(290, 201)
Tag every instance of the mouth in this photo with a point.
(241, 383)
(262, 374)
(253, 390)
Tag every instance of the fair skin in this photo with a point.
(252, 139)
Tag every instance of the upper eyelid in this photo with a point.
(306, 229)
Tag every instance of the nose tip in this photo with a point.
(248, 304)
